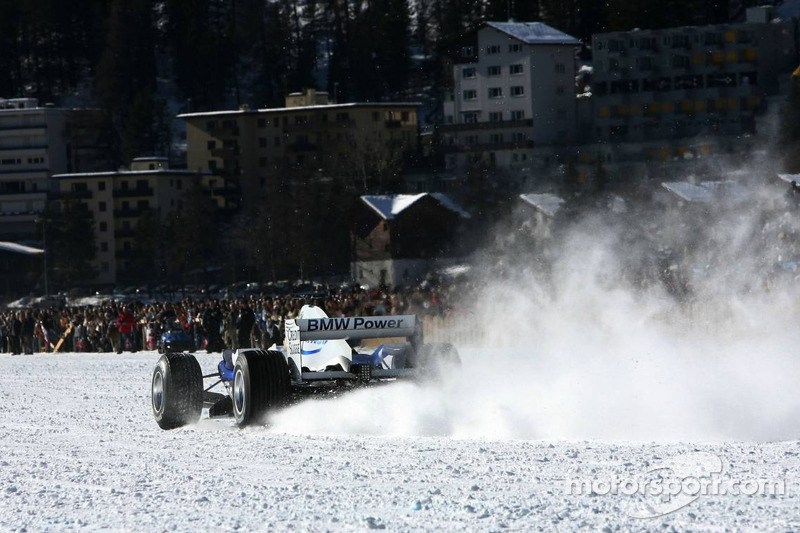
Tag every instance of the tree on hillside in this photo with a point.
(71, 238)
(789, 133)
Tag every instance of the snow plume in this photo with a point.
(666, 325)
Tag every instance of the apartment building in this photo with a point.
(690, 81)
(118, 199)
(512, 93)
(244, 149)
(36, 142)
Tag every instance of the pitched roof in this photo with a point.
(389, 206)
(534, 33)
(19, 248)
(547, 203)
(706, 191)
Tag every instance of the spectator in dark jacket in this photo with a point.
(27, 331)
(244, 325)
(16, 334)
(212, 320)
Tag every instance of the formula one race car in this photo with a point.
(175, 340)
(316, 356)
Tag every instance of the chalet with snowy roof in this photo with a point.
(20, 268)
(706, 192)
(397, 239)
(511, 97)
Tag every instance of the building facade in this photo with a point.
(35, 143)
(245, 149)
(117, 200)
(513, 91)
(692, 81)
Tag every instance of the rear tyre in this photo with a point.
(260, 384)
(177, 390)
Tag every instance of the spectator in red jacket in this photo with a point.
(126, 324)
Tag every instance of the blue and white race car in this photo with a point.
(316, 356)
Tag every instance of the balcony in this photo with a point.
(132, 193)
(489, 147)
(130, 212)
(524, 123)
(392, 124)
(225, 152)
(224, 131)
(125, 233)
(302, 147)
(14, 127)
(69, 195)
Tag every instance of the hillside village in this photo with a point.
(374, 192)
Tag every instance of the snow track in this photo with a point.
(80, 450)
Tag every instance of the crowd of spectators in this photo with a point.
(213, 324)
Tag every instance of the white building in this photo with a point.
(513, 91)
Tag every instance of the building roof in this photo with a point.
(389, 206)
(706, 191)
(122, 173)
(19, 248)
(534, 33)
(789, 178)
(547, 203)
(300, 108)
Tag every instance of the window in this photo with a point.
(342, 117)
(212, 164)
(493, 49)
(515, 47)
(104, 226)
(496, 116)
(518, 115)
(141, 185)
(404, 116)
(470, 140)
(515, 70)
(647, 43)
(301, 119)
(468, 72)
(680, 61)
(560, 90)
(518, 90)
(101, 207)
(644, 63)
(470, 118)
(496, 138)
(467, 51)
(518, 137)
(495, 92)
(179, 184)
(470, 94)
(101, 185)
(493, 71)
(211, 124)
(561, 68)
(275, 122)
(262, 142)
(262, 123)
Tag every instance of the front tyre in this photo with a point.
(177, 390)
(260, 384)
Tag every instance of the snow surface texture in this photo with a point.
(81, 451)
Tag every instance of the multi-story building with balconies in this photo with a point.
(118, 199)
(692, 81)
(512, 92)
(243, 149)
(36, 142)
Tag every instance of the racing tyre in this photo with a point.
(260, 384)
(177, 390)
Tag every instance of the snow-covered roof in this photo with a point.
(161, 171)
(789, 178)
(706, 191)
(299, 108)
(389, 206)
(547, 203)
(19, 248)
(534, 33)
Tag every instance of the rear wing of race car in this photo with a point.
(345, 328)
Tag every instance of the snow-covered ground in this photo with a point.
(80, 450)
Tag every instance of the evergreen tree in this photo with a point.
(72, 235)
(789, 137)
